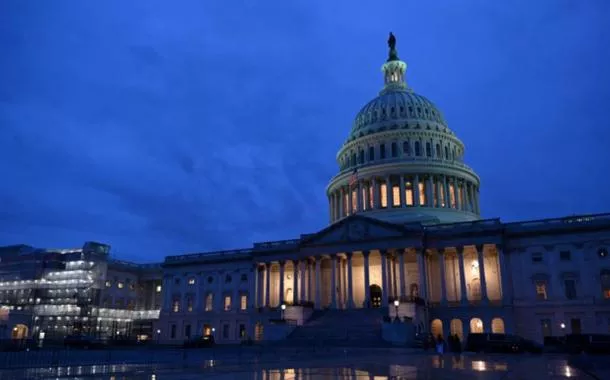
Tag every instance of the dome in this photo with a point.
(401, 163)
(397, 109)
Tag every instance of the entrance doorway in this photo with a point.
(375, 294)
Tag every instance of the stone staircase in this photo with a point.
(361, 327)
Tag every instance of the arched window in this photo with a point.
(457, 328)
(361, 157)
(436, 328)
(394, 150)
(438, 150)
(382, 151)
(405, 148)
(497, 326)
(446, 152)
(371, 153)
(417, 149)
(353, 159)
(428, 150)
(476, 325)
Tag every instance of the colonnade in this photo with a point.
(398, 191)
(329, 280)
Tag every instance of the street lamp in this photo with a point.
(396, 303)
(158, 335)
(562, 325)
(283, 307)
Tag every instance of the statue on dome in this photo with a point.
(393, 56)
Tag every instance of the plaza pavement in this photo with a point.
(269, 363)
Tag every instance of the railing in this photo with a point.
(558, 222)
(276, 243)
(208, 255)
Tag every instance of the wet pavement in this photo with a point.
(328, 364)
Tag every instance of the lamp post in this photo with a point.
(283, 307)
(396, 303)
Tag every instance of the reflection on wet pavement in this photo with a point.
(362, 365)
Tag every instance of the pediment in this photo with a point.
(355, 228)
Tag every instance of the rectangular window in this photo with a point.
(120, 285)
(363, 195)
(536, 257)
(546, 327)
(158, 289)
(242, 331)
(355, 200)
(564, 255)
(243, 302)
(371, 153)
(227, 303)
(225, 331)
(176, 305)
(177, 281)
(371, 195)
(192, 281)
(422, 193)
(187, 331)
(405, 148)
(575, 325)
(428, 150)
(394, 150)
(541, 290)
(382, 151)
(209, 302)
(396, 196)
(384, 195)
(173, 332)
(189, 304)
(409, 194)
(570, 289)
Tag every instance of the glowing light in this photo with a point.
(562, 325)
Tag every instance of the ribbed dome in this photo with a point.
(396, 109)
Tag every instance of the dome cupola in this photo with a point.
(401, 162)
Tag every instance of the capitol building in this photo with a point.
(405, 239)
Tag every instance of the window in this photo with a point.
(192, 281)
(108, 284)
(187, 331)
(422, 193)
(446, 153)
(361, 156)
(132, 286)
(371, 196)
(355, 200)
(189, 304)
(452, 196)
(177, 281)
(394, 150)
(382, 151)
(209, 302)
(227, 303)
(384, 195)
(176, 305)
(537, 257)
(244, 277)
(604, 278)
(546, 327)
(541, 290)
(228, 278)
(564, 255)
(120, 285)
(158, 289)
(570, 289)
(173, 332)
(225, 331)
(575, 325)
(243, 302)
(409, 194)
(353, 159)
(371, 153)
(396, 196)
(428, 150)
(242, 331)
(417, 149)
(438, 150)
(405, 148)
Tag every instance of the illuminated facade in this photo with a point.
(53, 293)
(406, 226)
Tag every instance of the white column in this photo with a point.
(340, 283)
(429, 192)
(481, 258)
(318, 270)
(295, 281)
(268, 284)
(458, 193)
(463, 292)
(388, 191)
(384, 279)
(421, 268)
(341, 203)
(367, 285)
(350, 287)
(438, 186)
(367, 200)
(282, 274)
(376, 197)
(416, 191)
(403, 280)
(403, 201)
(333, 282)
(303, 269)
(505, 285)
(446, 192)
(441, 255)
(359, 197)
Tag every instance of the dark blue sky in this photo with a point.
(166, 127)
